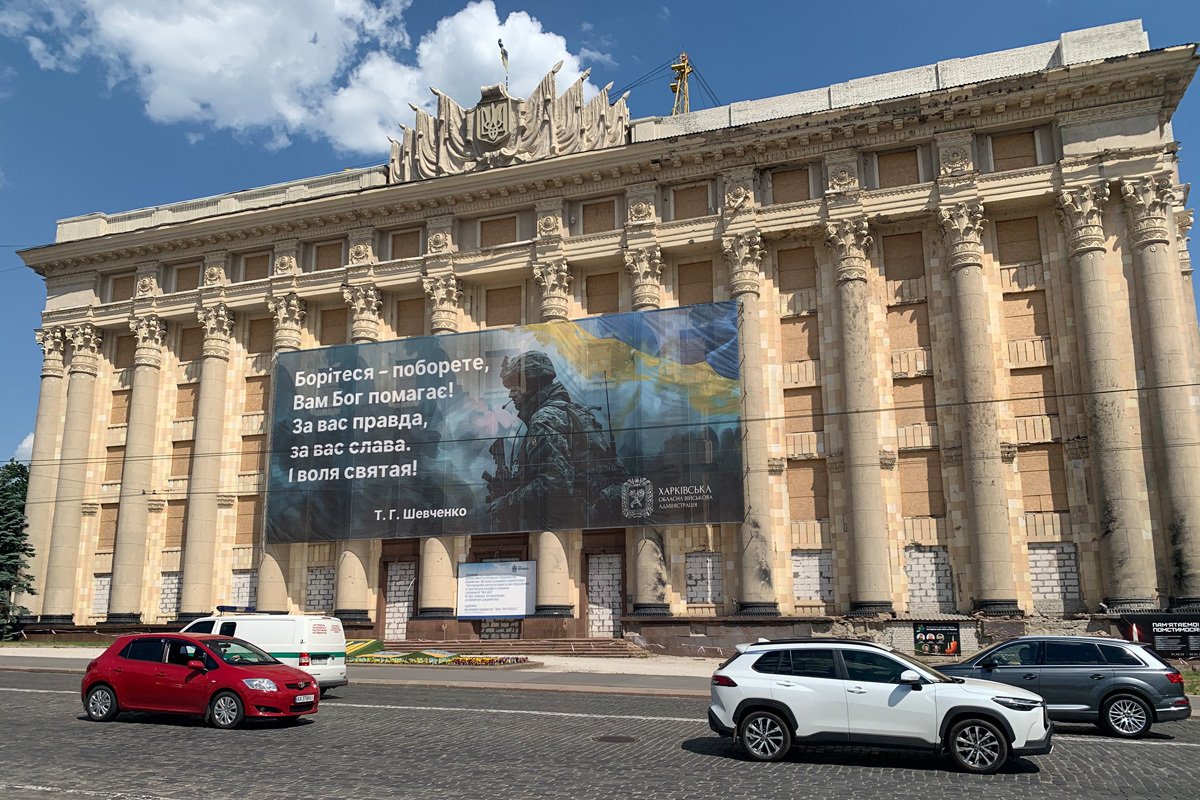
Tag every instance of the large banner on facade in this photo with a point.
(614, 421)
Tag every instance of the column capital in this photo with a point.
(554, 278)
(962, 225)
(52, 341)
(218, 329)
(1081, 212)
(289, 312)
(743, 254)
(849, 240)
(644, 265)
(445, 291)
(149, 331)
(364, 302)
(1147, 201)
(85, 348)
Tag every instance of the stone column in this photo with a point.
(289, 312)
(1167, 356)
(866, 513)
(644, 266)
(141, 434)
(204, 480)
(554, 279)
(438, 587)
(743, 255)
(62, 558)
(1123, 524)
(43, 467)
(987, 495)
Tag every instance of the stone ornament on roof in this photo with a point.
(502, 130)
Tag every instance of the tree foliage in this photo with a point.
(14, 544)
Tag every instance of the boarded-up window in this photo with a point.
(914, 400)
(123, 352)
(114, 464)
(903, 256)
(797, 268)
(107, 538)
(120, 408)
(1033, 392)
(328, 255)
(803, 410)
(410, 317)
(258, 390)
(187, 278)
(1025, 315)
(504, 306)
(690, 201)
(498, 231)
(120, 287)
(1017, 241)
(185, 400)
(405, 244)
(256, 267)
(603, 293)
(249, 520)
(1013, 151)
(908, 326)
(254, 454)
(790, 186)
(695, 283)
(921, 484)
(898, 169)
(599, 216)
(191, 344)
(176, 518)
(335, 324)
(1043, 479)
(260, 335)
(808, 491)
(181, 458)
(800, 338)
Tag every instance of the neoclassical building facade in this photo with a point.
(969, 352)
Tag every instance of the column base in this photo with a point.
(1126, 605)
(57, 619)
(651, 610)
(435, 612)
(1185, 605)
(998, 608)
(123, 618)
(871, 608)
(757, 609)
(554, 611)
(353, 615)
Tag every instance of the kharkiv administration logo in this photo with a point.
(637, 498)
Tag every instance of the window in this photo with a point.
(1018, 241)
(695, 283)
(201, 627)
(256, 267)
(334, 326)
(803, 410)
(773, 662)
(114, 463)
(800, 338)
(908, 326)
(254, 454)
(797, 268)
(191, 343)
(914, 401)
(1033, 392)
(813, 664)
(123, 352)
(228, 628)
(790, 186)
(871, 667)
(119, 415)
(1025, 315)
(249, 520)
(899, 168)
(1017, 149)
(903, 256)
(503, 306)
(498, 231)
(260, 335)
(1018, 654)
(921, 484)
(1120, 656)
(405, 244)
(603, 293)
(599, 216)
(185, 400)
(176, 517)
(258, 390)
(120, 287)
(1043, 477)
(181, 652)
(688, 202)
(181, 458)
(143, 650)
(327, 255)
(1072, 653)
(108, 527)
(410, 317)
(187, 277)
(808, 490)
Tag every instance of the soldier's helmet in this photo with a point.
(531, 369)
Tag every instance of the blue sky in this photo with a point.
(112, 105)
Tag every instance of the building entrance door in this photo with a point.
(605, 591)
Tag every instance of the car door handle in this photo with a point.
(785, 683)
(856, 690)
(1029, 676)
(1097, 677)
(118, 669)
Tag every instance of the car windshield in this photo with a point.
(235, 651)
(924, 669)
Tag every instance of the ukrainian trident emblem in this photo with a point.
(494, 116)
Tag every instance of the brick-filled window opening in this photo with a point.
(176, 524)
(1032, 392)
(688, 202)
(249, 520)
(123, 350)
(930, 579)
(410, 317)
(101, 590)
(803, 410)
(187, 277)
(904, 256)
(503, 306)
(694, 283)
(603, 293)
(790, 185)
(191, 343)
(921, 493)
(914, 400)
(598, 216)
(1054, 577)
(404, 244)
(318, 590)
(170, 594)
(120, 287)
(256, 266)
(1010, 150)
(258, 393)
(260, 335)
(245, 588)
(703, 576)
(1043, 477)
(800, 339)
(181, 458)
(254, 454)
(327, 255)
(808, 490)
(1025, 315)
(185, 400)
(119, 413)
(812, 576)
(797, 269)
(335, 326)
(114, 464)
(497, 231)
(1018, 241)
(908, 326)
(897, 168)
(107, 538)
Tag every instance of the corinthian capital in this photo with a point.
(149, 331)
(743, 254)
(1081, 212)
(445, 292)
(85, 348)
(289, 312)
(1147, 200)
(364, 303)
(554, 278)
(51, 341)
(849, 240)
(962, 225)
(218, 328)
(644, 265)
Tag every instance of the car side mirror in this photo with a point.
(910, 677)
(987, 664)
(196, 665)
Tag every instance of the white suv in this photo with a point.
(822, 691)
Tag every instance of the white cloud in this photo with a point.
(341, 71)
(24, 450)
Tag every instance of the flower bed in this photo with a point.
(437, 658)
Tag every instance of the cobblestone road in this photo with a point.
(385, 742)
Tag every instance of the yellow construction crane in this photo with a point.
(680, 85)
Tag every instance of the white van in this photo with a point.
(315, 644)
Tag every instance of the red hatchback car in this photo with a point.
(220, 678)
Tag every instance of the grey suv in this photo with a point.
(1121, 686)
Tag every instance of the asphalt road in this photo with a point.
(463, 743)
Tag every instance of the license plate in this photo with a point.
(305, 698)
(320, 659)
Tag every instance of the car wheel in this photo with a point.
(101, 704)
(764, 736)
(226, 710)
(977, 746)
(1127, 716)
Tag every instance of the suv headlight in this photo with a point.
(1017, 703)
(260, 684)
